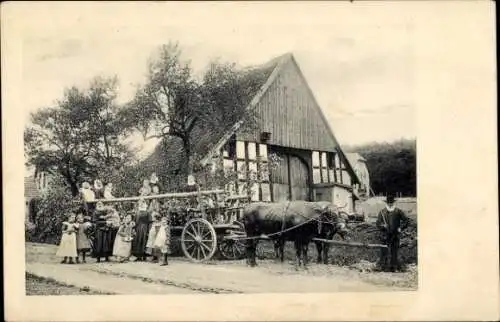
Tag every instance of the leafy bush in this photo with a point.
(52, 209)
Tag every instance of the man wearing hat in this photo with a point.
(391, 220)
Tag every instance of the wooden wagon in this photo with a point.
(203, 222)
(205, 229)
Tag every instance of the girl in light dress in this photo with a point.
(67, 246)
(161, 245)
(153, 231)
(123, 242)
(82, 241)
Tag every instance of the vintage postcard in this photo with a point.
(249, 161)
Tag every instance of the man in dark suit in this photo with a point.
(391, 221)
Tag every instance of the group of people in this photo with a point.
(142, 234)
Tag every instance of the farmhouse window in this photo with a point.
(331, 167)
(338, 168)
(316, 167)
(322, 167)
(250, 161)
(346, 179)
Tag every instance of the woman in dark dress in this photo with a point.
(143, 222)
(104, 233)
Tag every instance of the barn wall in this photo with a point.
(289, 112)
(299, 163)
(323, 194)
(342, 196)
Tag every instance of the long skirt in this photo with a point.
(121, 247)
(67, 247)
(140, 240)
(103, 244)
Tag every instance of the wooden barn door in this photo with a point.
(290, 180)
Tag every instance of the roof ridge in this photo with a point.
(276, 60)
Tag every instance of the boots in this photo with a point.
(64, 260)
(164, 260)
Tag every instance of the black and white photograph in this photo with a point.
(191, 155)
(244, 183)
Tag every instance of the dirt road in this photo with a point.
(182, 276)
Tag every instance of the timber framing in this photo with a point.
(256, 99)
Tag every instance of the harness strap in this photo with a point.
(284, 217)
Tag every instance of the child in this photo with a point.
(82, 241)
(108, 191)
(154, 182)
(123, 242)
(67, 246)
(145, 189)
(98, 189)
(88, 197)
(154, 205)
(153, 231)
(162, 241)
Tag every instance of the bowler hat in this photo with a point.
(390, 198)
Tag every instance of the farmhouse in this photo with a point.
(34, 186)
(291, 127)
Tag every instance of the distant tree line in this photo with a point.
(392, 166)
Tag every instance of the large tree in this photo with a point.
(392, 166)
(173, 102)
(81, 136)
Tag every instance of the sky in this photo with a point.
(361, 71)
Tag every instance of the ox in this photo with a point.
(297, 221)
(327, 233)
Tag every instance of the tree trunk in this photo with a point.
(74, 188)
(187, 167)
(70, 181)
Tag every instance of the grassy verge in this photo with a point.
(37, 285)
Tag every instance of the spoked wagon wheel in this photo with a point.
(198, 240)
(234, 248)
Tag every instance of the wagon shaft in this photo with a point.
(352, 244)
